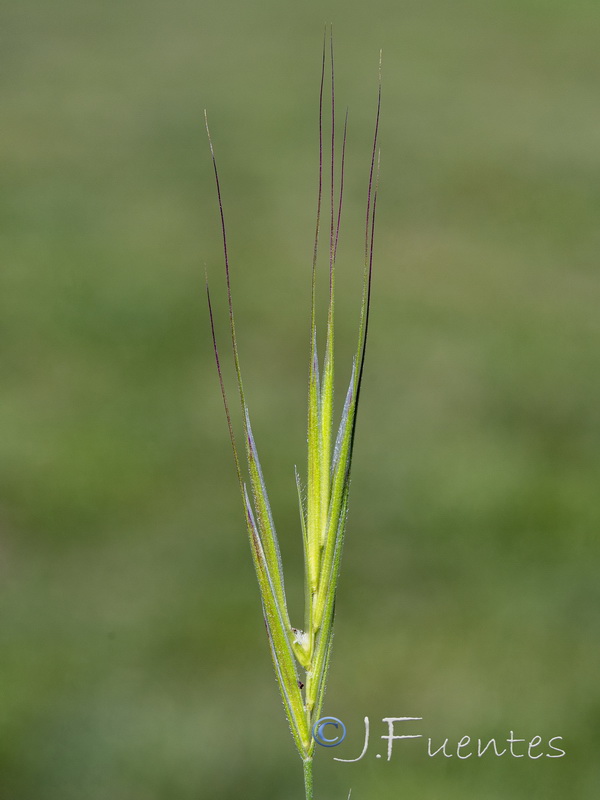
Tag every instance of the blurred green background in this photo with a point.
(133, 660)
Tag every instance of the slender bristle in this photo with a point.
(332, 169)
(341, 194)
(370, 226)
(222, 385)
(234, 346)
(320, 188)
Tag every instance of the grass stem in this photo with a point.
(308, 778)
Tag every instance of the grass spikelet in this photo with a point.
(324, 501)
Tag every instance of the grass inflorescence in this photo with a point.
(324, 499)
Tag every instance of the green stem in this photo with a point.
(308, 778)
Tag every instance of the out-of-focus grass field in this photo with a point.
(133, 660)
